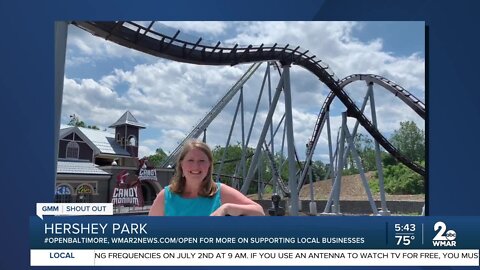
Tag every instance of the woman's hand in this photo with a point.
(232, 209)
(237, 204)
(221, 211)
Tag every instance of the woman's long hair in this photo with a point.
(208, 188)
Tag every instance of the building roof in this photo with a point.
(127, 119)
(64, 130)
(102, 142)
(78, 167)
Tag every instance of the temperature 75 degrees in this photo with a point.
(404, 239)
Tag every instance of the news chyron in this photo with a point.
(93, 235)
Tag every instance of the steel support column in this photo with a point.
(261, 140)
(378, 158)
(335, 193)
(330, 151)
(292, 178)
(358, 163)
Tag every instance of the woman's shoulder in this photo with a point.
(225, 189)
(223, 186)
(232, 195)
(167, 193)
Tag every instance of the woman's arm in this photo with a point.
(158, 206)
(234, 203)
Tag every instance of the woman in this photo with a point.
(193, 192)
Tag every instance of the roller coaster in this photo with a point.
(146, 39)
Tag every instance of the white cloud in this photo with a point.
(92, 102)
(171, 97)
(85, 48)
(205, 28)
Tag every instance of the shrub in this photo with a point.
(399, 179)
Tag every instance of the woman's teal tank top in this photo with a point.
(176, 205)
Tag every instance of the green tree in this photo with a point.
(231, 165)
(76, 122)
(319, 170)
(366, 152)
(157, 158)
(388, 160)
(410, 141)
(399, 179)
(233, 155)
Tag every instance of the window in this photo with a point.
(118, 138)
(84, 193)
(63, 190)
(73, 150)
(132, 141)
(63, 194)
(85, 189)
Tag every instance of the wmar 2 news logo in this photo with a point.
(443, 238)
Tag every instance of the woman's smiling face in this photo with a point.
(195, 165)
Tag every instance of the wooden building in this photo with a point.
(90, 162)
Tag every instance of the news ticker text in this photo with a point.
(248, 241)
(228, 257)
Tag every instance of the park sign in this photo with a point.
(145, 172)
(127, 193)
(129, 196)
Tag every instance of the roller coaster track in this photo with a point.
(275, 172)
(413, 102)
(205, 122)
(141, 38)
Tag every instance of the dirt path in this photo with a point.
(351, 189)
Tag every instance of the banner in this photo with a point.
(255, 241)
(146, 172)
(127, 193)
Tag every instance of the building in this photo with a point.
(92, 164)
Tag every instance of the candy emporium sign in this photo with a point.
(130, 196)
(146, 173)
(127, 192)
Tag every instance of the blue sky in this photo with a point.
(103, 80)
(399, 38)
